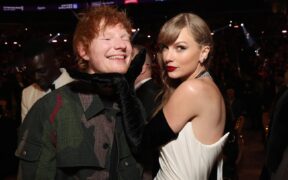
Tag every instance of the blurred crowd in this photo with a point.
(250, 77)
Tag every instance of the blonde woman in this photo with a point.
(188, 126)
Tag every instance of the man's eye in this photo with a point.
(41, 71)
(105, 38)
(126, 38)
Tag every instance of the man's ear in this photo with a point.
(82, 52)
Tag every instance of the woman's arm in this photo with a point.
(163, 127)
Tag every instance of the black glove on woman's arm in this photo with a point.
(132, 109)
(155, 134)
(144, 139)
(110, 78)
(135, 67)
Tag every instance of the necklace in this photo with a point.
(203, 73)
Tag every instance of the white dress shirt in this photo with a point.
(33, 92)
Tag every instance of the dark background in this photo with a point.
(264, 20)
(255, 77)
(147, 14)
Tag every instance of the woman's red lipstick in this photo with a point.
(170, 68)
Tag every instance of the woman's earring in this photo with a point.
(202, 60)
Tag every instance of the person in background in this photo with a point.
(146, 87)
(44, 70)
(235, 119)
(75, 132)
(277, 144)
(8, 137)
(276, 160)
(188, 126)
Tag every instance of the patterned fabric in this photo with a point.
(69, 135)
(33, 92)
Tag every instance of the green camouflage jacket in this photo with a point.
(68, 134)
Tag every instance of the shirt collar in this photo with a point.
(141, 82)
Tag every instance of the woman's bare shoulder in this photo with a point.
(193, 87)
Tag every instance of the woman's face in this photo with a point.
(110, 51)
(182, 57)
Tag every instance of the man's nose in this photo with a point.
(120, 44)
(37, 76)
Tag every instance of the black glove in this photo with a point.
(154, 134)
(134, 116)
(132, 109)
(107, 78)
(136, 66)
(112, 78)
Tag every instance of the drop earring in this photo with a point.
(202, 60)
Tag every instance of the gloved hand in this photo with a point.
(114, 78)
(136, 66)
(107, 78)
(133, 113)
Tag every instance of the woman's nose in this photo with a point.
(168, 55)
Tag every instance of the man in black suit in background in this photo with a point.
(277, 142)
(147, 88)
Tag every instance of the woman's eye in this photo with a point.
(163, 47)
(180, 48)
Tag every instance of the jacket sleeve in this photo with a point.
(277, 141)
(35, 151)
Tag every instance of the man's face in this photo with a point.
(43, 71)
(110, 51)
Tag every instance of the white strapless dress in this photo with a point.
(186, 158)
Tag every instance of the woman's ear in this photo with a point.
(82, 52)
(204, 53)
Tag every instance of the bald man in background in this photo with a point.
(43, 67)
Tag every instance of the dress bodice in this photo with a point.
(186, 158)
